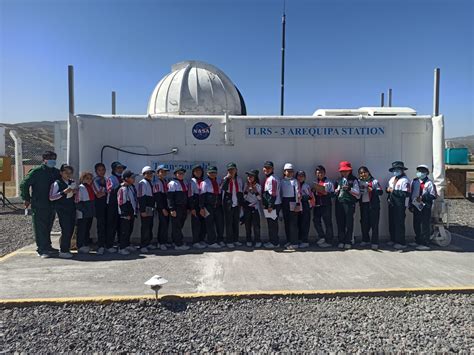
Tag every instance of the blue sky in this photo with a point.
(340, 53)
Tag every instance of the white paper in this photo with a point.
(206, 212)
(418, 205)
(272, 214)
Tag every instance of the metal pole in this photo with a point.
(70, 76)
(282, 94)
(382, 99)
(389, 97)
(436, 92)
(113, 103)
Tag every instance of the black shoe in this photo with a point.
(52, 250)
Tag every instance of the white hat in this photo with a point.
(423, 166)
(146, 168)
(288, 166)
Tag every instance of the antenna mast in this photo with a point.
(282, 94)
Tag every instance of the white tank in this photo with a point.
(196, 88)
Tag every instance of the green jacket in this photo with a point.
(39, 179)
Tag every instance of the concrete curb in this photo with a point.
(394, 292)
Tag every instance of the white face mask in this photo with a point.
(420, 175)
(397, 172)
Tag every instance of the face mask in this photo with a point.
(397, 173)
(50, 163)
(420, 175)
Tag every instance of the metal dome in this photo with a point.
(196, 88)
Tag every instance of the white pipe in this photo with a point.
(18, 160)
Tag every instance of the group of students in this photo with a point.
(218, 207)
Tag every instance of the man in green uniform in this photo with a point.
(39, 179)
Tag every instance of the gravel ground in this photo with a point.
(461, 217)
(423, 323)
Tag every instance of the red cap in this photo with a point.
(345, 166)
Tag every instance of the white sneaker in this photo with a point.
(399, 246)
(44, 255)
(413, 244)
(293, 246)
(287, 245)
(214, 246)
(340, 246)
(66, 255)
(124, 252)
(203, 245)
(230, 245)
(324, 245)
(84, 250)
(100, 251)
(423, 247)
(269, 245)
(144, 250)
(303, 245)
(152, 246)
(258, 245)
(375, 247)
(111, 250)
(248, 244)
(131, 248)
(182, 247)
(197, 246)
(364, 244)
(390, 243)
(347, 246)
(238, 244)
(163, 247)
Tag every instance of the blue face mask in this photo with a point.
(397, 172)
(51, 163)
(420, 175)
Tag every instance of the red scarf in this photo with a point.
(165, 185)
(183, 186)
(422, 187)
(90, 191)
(215, 186)
(231, 186)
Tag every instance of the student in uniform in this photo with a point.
(210, 205)
(61, 195)
(113, 218)
(271, 199)
(291, 205)
(232, 188)
(198, 222)
(369, 203)
(252, 198)
(177, 197)
(128, 210)
(423, 193)
(304, 217)
(146, 204)
(323, 190)
(398, 191)
(347, 193)
(160, 188)
(85, 211)
(100, 201)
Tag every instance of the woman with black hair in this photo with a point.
(198, 222)
(369, 204)
(252, 200)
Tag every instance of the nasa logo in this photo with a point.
(201, 130)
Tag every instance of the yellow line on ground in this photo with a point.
(240, 294)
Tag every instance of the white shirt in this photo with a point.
(251, 197)
(272, 186)
(290, 188)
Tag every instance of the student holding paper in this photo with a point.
(307, 202)
(323, 190)
(423, 193)
(291, 205)
(210, 204)
(252, 198)
(271, 203)
(198, 222)
(232, 187)
(146, 203)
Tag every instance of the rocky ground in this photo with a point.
(423, 323)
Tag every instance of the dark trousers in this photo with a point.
(421, 225)
(396, 223)
(345, 221)
(273, 227)
(232, 220)
(67, 221)
(43, 219)
(163, 227)
(369, 220)
(126, 229)
(304, 220)
(291, 221)
(113, 224)
(146, 231)
(323, 214)
(101, 219)
(177, 224)
(83, 231)
(198, 227)
(252, 221)
(215, 224)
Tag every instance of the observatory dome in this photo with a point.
(196, 88)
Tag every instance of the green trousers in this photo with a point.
(43, 219)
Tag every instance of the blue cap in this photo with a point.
(162, 167)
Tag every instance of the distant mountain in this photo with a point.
(461, 142)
